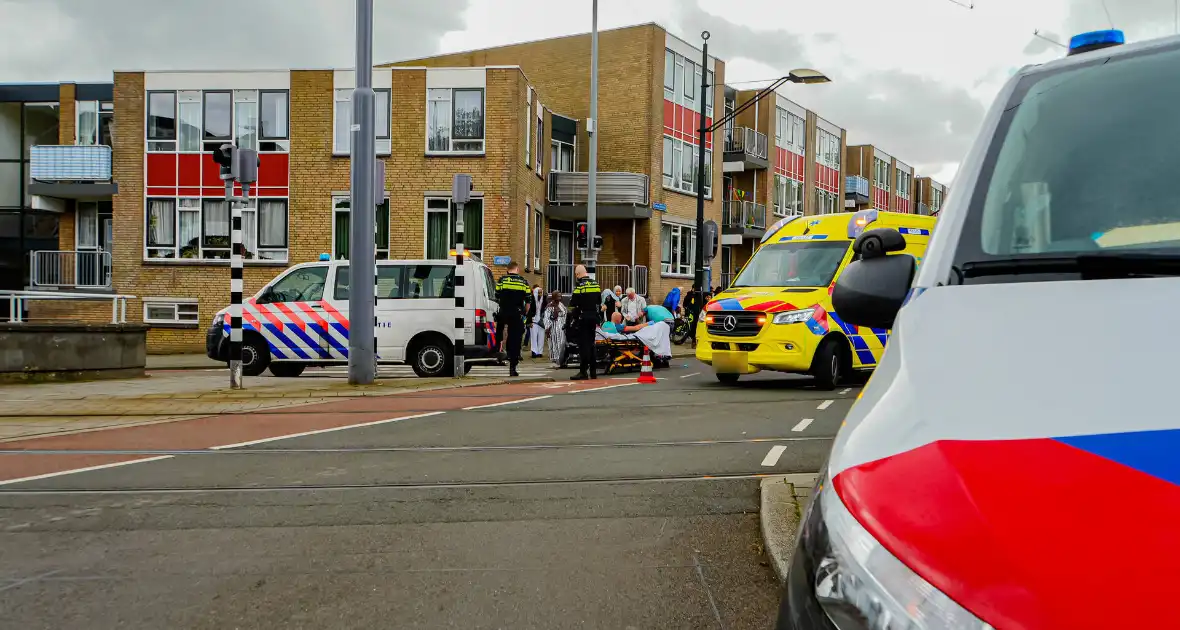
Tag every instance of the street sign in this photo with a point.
(660, 206)
(501, 260)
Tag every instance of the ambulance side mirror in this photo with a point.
(871, 291)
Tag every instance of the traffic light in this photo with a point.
(237, 164)
(583, 235)
(224, 157)
(597, 241)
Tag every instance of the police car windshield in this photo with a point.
(795, 264)
(1082, 164)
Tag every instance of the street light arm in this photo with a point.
(744, 106)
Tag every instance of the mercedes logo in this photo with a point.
(730, 323)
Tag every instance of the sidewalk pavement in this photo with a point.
(783, 500)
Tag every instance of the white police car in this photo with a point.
(1014, 461)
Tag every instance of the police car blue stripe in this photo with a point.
(311, 343)
(882, 335)
(859, 343)
(866, 357)
(848, 329)
(285, 340)
(274, 350)
(326, 334)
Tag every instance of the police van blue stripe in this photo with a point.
(285, 341)
(866, 357)
(311, 343)
(326, 334)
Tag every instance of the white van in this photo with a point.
(300, 318)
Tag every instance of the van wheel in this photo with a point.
(831, 364)
(255, 356)
(728, 379)
(432, 357)
(286, 370)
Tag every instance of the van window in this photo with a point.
(489, 283)
(429, 281)
(305, 284)
(793, 264)
(1082, 161)
(389, 282)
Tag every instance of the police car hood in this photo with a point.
(1010, 435)
(767, 299)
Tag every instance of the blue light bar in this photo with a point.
(1095, 40)
(325, 257)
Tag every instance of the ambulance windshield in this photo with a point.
(795, 264)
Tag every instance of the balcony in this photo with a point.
(618, 196)
(856, 191)
(71, 172)
(923, 209)
(744, 218)
(70, 270)
(745, 150)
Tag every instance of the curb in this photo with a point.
(779, 512)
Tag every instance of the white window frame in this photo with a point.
(450, 150)
(540, 139)
(191, 318)
(337, 210)
(687, 151)
(342, 97)
(426, 210)
(555, 148)
(196, 205)
(528, 219)
(528, 127)
(676, 267)
(196, 99)
(538, 237)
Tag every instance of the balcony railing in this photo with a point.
(560, 277)
(923, 209)
(743, 215)
(61, 269)
(726, 279)
(622, 189)
(748, 141)
(856, 185)
(64, 163)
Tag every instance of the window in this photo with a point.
(709, 96)
(528, 125)
(881, 177)
(218, 118)
(199, 229)
(561, 156)
(682, 174)
(342, 136)
(788, 196)
(304, 284)
(454, 120)
(440, 227)
(691, 79)
(161, 121)
(538, 233)
(677, 249)
(342, 228)
(528, 223)
(825, 201)
(86, 123)
(389, 282)
(669, 75)
(540, 137)
(246, 119)
(427, 281)
(175, 311)
(274, 118)
(189, 103)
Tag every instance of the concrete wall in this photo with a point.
(41, 351)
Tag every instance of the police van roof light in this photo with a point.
(324, 257)
(1095, 40)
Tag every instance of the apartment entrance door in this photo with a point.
(560, 276)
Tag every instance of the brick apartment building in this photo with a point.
(928, 195)
(780, 160)
(128, 182)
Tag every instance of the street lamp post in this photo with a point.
(805, 76)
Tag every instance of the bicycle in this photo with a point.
(682, 328)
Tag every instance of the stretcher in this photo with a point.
(615, 352)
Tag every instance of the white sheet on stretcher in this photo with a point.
(657, 337)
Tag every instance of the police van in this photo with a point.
(1014, 461)
(300, 319)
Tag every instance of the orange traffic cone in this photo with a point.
(645, 373)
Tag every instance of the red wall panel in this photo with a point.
(161, 169)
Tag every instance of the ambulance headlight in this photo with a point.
(857, 584)
(794, 317)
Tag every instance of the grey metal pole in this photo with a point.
(362, 255)
(591, 257)
(700, 253)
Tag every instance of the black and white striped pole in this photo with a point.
(240, 165)
(461, 187)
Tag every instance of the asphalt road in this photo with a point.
(629, 507)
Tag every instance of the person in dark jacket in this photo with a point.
(583, 319)
(512, 292)
(693, 303)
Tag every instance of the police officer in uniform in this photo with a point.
(583, 318)
(512, 292)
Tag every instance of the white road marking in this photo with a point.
(688, 375)
(598, 389)
(771, 458)
(508, 402)
(825, 404)
(82, 470)
(845, 390)
(802, 424)
(319, 431)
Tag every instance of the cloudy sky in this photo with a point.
(911, 76)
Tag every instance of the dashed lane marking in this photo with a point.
(845, 390)
(825, 404)
(802, 424)
(319, 431)
(771, 458)
(81, 470)
(507, 402)
(598, 389)
(688, 375)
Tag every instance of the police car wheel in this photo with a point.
(255, 356)
(431, 358)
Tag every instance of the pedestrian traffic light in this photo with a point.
(583, 235)
(597, 241)
(224, 157)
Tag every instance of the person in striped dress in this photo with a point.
(553, 319)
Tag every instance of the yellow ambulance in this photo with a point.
(777, 314)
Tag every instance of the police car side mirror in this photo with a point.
(871, 291)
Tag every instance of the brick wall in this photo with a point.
(65, 135)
